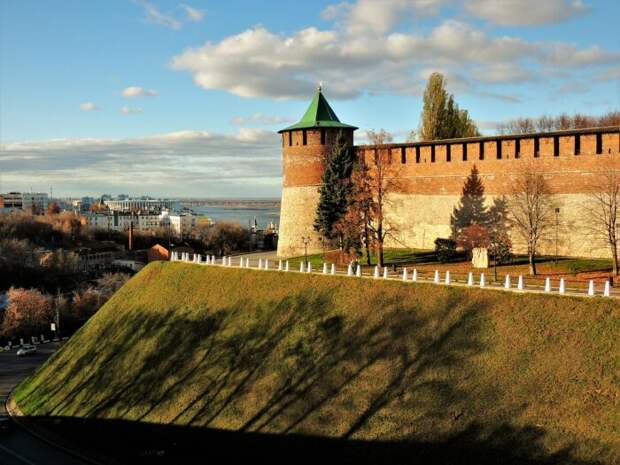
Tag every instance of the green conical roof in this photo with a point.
(318, 115)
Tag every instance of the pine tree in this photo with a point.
(471, 209)
(335, 189)
(441, 116)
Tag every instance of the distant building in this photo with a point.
(180, 224)
(128, 205)
(30, 202)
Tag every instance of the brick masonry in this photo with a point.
(430, 177)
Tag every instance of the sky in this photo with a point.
(166, 98)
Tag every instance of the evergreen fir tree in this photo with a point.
(471, 209)
(336, 188)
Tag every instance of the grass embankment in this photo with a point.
(512, 378)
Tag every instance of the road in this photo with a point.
(18, 447)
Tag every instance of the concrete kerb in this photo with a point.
(416, 278)
(48, 436)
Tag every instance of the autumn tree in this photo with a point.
(86, 302)
(225, 237)
(441, 116)
(530, 207)
(470, 209)
(53, 208)
(335, 189)
(28, 313)
(602, 208)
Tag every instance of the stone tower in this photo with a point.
(304, 148)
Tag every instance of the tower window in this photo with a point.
(417, 154)
(448, 152)
(599, 143)
(498, 144)
(432, 154)
(577, 144)
(481, 156)
(403, 155)
(536, 147)
(517, 148)
(322, 136)
(465, 152)
(556, 146)
(304, 136)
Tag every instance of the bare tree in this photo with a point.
(602, 208)
(28, 313)
(531, 210)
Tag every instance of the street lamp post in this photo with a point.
(306, 240)
(557, 227)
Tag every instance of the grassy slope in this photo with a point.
(343, 357)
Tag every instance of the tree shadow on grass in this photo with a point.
(290, 380)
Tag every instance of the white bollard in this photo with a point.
(520, 285)
(349, 270)
(447, 280)
(404, 274)
(547, 284)
(358, 272)
(436, 279)
(286, 266)
(482, 281)
(260, 263)
(301, 267)
(562, 289)
(324, 268)
(279, 265)
(376, 273)
(415, 275)
(212, 259)
(333, 268)
(309, 267)
(607, 291)
(470, 279)
(247, 262)
(385, 272)
(266, 264)
(591, 288)
(507, 282)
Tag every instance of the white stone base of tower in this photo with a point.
(297, 213)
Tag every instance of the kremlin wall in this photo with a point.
(429, 177)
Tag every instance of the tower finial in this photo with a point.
(320, 88)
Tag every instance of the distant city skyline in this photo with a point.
(182, 99)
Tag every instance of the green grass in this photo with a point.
(256, 351)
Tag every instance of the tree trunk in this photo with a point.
(532, 264)
(614, 252)
(366, 244)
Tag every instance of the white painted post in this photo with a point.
(333, 268)
(213, 260)
(286, 266)
(266, 264)
(301, 267)
(520, 285)
(607, 291)
(324, 267)
(247, 262)
(547, 284)
(562, 286)
(385, 272)
(260, 263)
(436, 280)
(507, 282)
(447, 280)
(415, 275)
(349, 270)
(279, 265)
(376, 273)
(404, 274)
(358, 273)
(309, 267)
(591, 287)
(470, 279)
(482, 281)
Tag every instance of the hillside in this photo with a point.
(389, 370)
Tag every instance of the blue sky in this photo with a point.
(182, 99)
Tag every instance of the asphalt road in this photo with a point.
(18, 447)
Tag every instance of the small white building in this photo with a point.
(180, 224)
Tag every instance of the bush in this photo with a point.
(445, 249)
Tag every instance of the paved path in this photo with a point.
(18, 447)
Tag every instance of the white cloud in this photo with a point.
(88, 106)
(131, 110)
(259, 119)
(155, 16)
(193, 14)
(135, 91)
(525, 12)
(197, 163)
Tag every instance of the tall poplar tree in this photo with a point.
(471, 208)
(335, 189)
(441, 116)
